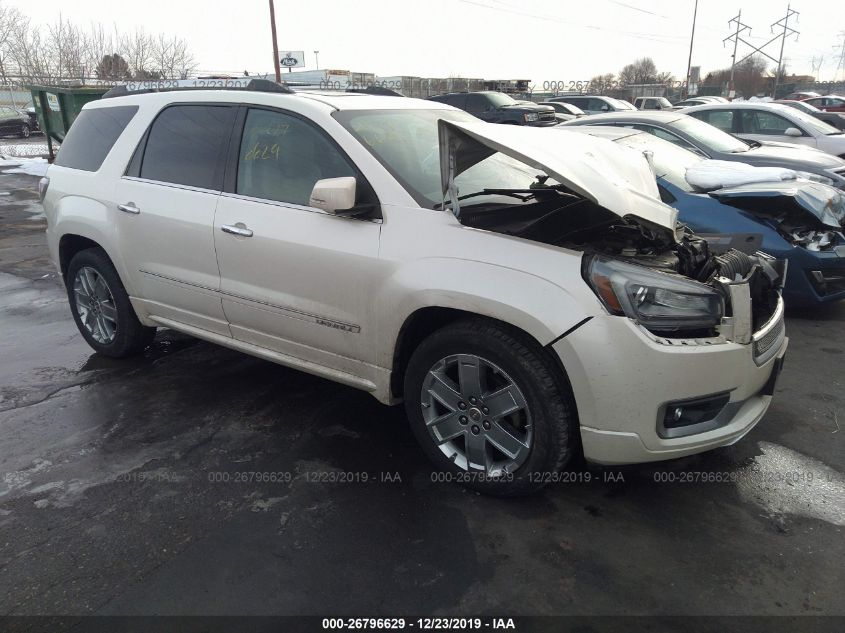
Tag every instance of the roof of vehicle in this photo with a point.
(327, 99)
(645, 116)
(580, 96)
(741, 105)
(470, 92)
(610, 132)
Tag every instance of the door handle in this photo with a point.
(129, 207)
(236, 229)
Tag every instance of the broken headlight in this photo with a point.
(659, 302)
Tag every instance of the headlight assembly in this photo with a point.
(659, 302)
(531, 116)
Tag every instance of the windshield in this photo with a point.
(709, 136)
(619, 104)
(499, 99)
(406, 143)
(670, 161)
(804, 107)
(815, 125)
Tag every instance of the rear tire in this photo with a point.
(101, 307)
(463, 430)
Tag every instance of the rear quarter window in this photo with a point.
(92, 135)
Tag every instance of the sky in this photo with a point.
(540, 40)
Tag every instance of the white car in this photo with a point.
(594, 104)
(766, 122)
(526, 294)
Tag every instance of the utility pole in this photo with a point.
(784, 21)
(817, 66)
(841, 55)
(691, 38)
(740, 27)
(275, 43)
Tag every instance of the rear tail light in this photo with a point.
(42, 188)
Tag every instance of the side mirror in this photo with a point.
(333, 194)
(793, 131)
(605, 108)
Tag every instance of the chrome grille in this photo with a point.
(768, 339)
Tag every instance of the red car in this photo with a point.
(829, 103)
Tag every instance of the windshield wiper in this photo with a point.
(523, 195)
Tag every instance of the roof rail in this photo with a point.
(144, 87)
(376, 90)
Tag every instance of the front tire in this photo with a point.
(25, 131)
(101, 307)
(489, 407)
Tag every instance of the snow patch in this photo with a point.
(783, 481)
(30, 166)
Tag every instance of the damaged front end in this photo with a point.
(807, 214)
(604, 203)
(686, 293)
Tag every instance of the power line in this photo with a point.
(787, 30)
(740, 27)
(507, 8)
(841, 62)
(736, 39)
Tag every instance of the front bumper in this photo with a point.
(623, 377)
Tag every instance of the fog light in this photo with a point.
(688, 412)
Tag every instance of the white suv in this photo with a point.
(525, 293)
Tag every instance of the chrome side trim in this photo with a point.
(296, 207)
(293, 312)
(172, 185)
(178, 281)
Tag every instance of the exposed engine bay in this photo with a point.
(577, 224)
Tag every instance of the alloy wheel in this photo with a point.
(477, 415)
(95, 305)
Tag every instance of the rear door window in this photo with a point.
(477, 103)
(187, 145)
(92, 135)
(722, 119)
(763, 122)
(458, 101)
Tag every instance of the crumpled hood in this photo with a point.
(605, 173)
(824, 203)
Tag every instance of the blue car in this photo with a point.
(797, 220)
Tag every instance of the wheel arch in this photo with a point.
(423, 322)
(69, 245)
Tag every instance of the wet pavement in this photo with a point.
(197, 480)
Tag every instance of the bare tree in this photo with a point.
(98, 44)
(171, 57)
(749, 76)
(65, 47)
(600, 83)
(10, 19)
(137, 49)
(641, 71)
(62, 50)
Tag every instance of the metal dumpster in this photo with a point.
(57, 106)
